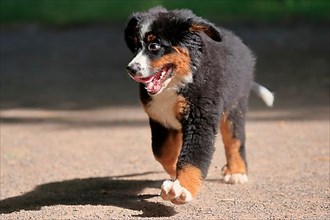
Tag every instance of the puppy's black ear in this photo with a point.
(201, 25)
(131, 32)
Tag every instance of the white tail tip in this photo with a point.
(266, 95)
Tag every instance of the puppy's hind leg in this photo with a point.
(232, 128)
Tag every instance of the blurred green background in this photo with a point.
(66, 12)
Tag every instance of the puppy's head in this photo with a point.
(166, 46)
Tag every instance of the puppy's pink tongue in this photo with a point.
(153, 87)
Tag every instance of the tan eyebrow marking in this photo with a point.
(151, 37)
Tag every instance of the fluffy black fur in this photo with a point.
(222, 69)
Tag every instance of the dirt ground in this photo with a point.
(75, 144)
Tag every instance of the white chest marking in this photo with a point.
(161, 109)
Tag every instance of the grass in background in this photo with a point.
(71, 12)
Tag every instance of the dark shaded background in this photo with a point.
(71, 54)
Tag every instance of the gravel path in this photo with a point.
(76, 145)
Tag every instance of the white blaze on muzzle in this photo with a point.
(143, 61)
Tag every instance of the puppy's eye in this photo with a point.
(154, 47)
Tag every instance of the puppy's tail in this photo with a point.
(266, 95)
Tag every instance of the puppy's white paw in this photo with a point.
(235, 178)
(174, 192)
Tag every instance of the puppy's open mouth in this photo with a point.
(157, 81)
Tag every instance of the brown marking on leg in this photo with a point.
(190, 177)
(170, 152)
(181, 107)
(180, 59)
(235, 163)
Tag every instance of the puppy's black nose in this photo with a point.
(134, 69)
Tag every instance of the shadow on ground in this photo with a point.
(104, 121)
(108, 191)
(66, 121)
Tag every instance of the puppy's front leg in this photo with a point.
(198, 129)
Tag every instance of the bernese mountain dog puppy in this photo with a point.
(195, 80)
